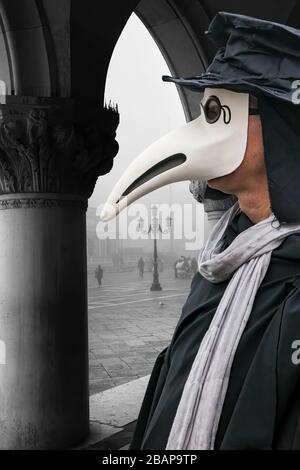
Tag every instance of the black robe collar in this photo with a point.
(240, 223)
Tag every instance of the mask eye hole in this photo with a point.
(212, 109)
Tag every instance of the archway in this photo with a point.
(149, 109)
(54, 60)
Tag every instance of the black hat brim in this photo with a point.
(208, 80)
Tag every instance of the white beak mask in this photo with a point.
(208, 147)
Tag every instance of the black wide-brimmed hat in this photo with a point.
(261, 58)
(255, 56)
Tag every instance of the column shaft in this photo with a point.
(43, 323)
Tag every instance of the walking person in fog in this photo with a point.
(141, 266)
(99, 274)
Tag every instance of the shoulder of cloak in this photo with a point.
(290, 249)
(296, 282)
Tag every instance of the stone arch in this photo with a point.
(176, 37)
(24, 50)
(47, 50)
(49, 160)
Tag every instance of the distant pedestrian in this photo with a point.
(99, 274)
(175, 269)
(141, 266)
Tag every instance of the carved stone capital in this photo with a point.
(50, 145)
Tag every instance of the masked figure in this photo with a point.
(230, 377)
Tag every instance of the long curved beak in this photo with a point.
(197, 150)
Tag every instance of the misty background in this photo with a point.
(149, 109)
(129, 321)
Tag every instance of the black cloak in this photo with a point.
(262, 404)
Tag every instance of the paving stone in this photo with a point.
(128, 372)
(125, 340)
(132, 360)
(115, 366)
(124, 380)
(97, 386)
(98, 373)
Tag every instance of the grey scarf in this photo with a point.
(245, 262)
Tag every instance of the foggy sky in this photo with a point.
(149, 108)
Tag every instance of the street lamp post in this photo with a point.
(154, 228)
(155, 284)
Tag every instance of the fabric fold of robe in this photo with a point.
(261, 408)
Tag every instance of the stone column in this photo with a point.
(51, 153)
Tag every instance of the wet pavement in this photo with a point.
(129, 325)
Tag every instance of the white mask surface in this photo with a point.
(210, 146)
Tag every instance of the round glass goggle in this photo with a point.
(213, 108)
